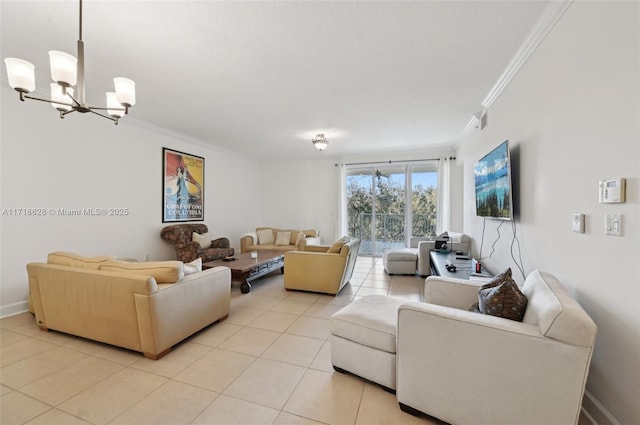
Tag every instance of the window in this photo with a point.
(382, 212)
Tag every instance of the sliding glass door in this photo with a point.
(382, 212)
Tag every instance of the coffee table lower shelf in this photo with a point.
(246, 269)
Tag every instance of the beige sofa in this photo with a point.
(318, 270)
(146, 307)
(278, 239)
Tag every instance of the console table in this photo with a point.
(464, 265)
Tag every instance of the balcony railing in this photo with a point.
(389, 230)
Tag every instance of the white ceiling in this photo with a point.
(262, 77)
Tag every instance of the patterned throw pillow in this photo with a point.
(502, 298)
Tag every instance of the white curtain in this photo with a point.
(444, 195)
(343, 226)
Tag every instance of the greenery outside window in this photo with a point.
(382, 212)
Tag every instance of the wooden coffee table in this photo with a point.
(247, 269)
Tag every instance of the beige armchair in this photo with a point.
(317, 270)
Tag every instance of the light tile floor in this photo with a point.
(268, 363)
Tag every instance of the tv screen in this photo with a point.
(492, 174)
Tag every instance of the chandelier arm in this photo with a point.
(115, 120)
(100, 108)
(45, 100)
(64, 113)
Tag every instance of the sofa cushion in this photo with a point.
(74, 260)
(502, 298)
(311, 233)
(161, 271)
(337, 245)
(265, 237)
(283, 238)
(194, 266)
(203, 239)
(370, 321)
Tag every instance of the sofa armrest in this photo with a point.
(182, 308)
(415, 240)
(424, 260)
(313, 240)
(317, 248)
(443, 351)
(247, 240)
(451, 292)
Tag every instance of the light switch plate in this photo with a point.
(613, 224)
(578, 223)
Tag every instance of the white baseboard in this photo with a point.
(596, 412)
(13, 309)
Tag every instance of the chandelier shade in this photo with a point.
(64, 68)
(320, 142)
(113, 106)
(67, 72)
(63, 97)
(21, 75)
(125, 91)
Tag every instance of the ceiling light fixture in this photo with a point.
(320, 142)
(66, 71)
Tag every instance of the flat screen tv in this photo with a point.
(492, 175)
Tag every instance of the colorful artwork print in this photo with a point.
(183, 186)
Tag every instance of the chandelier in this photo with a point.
(320, 142)
(66, 72)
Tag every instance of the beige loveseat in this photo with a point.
(146, 307)
(278, 239)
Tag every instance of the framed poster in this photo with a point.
(182, 186)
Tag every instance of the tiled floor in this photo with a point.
(268, 363)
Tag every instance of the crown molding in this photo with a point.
(543, 26)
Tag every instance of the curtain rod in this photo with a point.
(391, 162)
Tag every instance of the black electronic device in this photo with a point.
(442, 244)
(451, 268)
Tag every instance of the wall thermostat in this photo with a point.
(611, 191)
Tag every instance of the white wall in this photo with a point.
(87, 162)
(301, 195)
(572, 115)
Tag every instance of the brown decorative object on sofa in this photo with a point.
(502, 298)
(188, 250)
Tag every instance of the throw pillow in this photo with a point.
(337, 245)
(498, 279)
(162, 271)
(203, 239)
(265, 237)
(283, 238)
(502, 299)
(74, 260)
(194, 266)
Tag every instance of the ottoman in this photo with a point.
(400, 260)
(363, 339)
